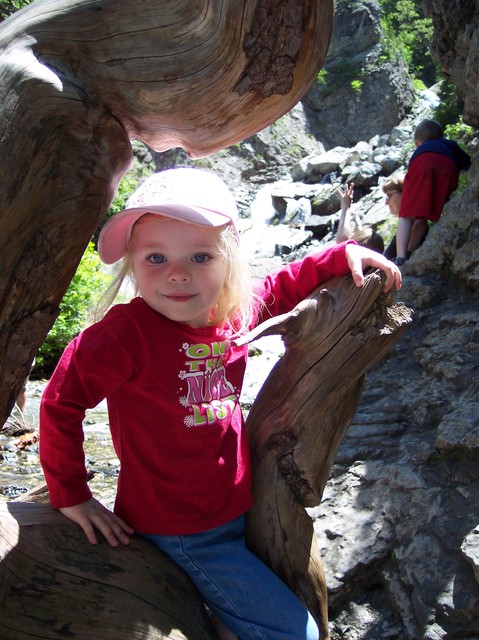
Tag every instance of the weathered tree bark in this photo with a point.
(79, 79)
(48, 571)
(55, 585)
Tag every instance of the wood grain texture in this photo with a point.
(54, 584)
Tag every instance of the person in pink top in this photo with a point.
(169, 368)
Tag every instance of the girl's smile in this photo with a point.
(178, 268)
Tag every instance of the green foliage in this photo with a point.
(388, 229)
(321, 77)
(347, 70)
(77, 305)
(407, 34)
(459, 131)
(7, 7)
(418, 85)
(449, 114)
(357, 85)
(450, 108)
(339, 75)
(463, 134)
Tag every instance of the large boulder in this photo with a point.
(358, 94)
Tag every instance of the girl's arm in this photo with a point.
(283, 290)
(91, 367)
(360, 258)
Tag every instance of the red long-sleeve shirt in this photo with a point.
(173, 401)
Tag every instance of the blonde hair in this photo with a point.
(395, 183)
(237, 302)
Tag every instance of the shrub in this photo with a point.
(77, 305)
(407, 33)
(450, 108)
(7, 7)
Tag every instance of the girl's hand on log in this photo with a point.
(359, 258)
(91, 515)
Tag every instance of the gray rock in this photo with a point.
(362, 174)
(470, 549)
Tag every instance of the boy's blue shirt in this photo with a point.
(445, 147)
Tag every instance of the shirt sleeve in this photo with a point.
(283, 290)
(94, 364)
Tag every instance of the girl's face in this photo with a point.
(178, 268)
(393, 200)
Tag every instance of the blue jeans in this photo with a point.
(240, 589)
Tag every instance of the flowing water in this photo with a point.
(20, 469)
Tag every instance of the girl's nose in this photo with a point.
(178, 274)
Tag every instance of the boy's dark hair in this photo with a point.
(428, 130)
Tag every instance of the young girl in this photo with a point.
(172, 375)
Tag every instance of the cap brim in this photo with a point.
(116, 232)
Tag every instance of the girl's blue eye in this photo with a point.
(156, 258)
(201, 258)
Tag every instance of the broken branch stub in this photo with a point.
(301, 415)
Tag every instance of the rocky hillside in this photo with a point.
(359, 94)
(399, 524)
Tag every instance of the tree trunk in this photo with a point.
(81, 78)
(53, 583)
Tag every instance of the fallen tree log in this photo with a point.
(79, 79)
(53, 584)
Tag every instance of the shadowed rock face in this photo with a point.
(340, 114)
(454, 46)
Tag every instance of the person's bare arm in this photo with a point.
(403, 234)
(418, 233)
(344, 226)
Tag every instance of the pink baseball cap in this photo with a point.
(191, 195)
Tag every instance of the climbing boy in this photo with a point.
(432, 176)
